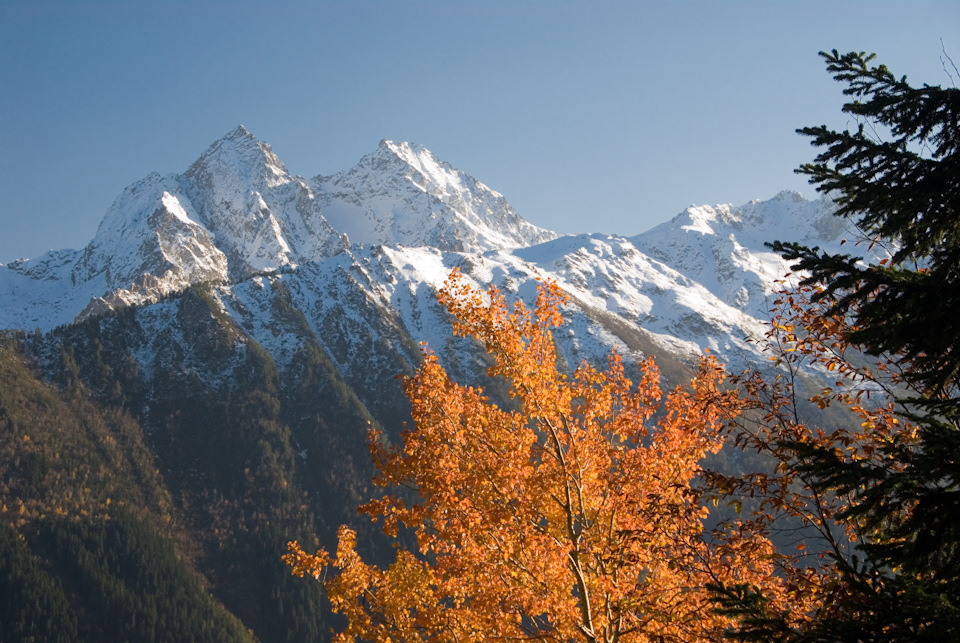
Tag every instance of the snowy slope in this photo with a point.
(354, 260)
(722, 247)
(363, 302)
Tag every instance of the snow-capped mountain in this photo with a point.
(242, 328)
(403, 194)
(360, 254)
(722, 247)
(234, 213)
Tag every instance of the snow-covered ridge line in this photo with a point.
(402, 194)
(393, 225)
(237, 212)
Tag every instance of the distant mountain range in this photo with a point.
(230, 333)
(397, 223)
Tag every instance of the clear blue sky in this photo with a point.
(595, 116)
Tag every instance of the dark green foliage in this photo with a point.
(33, 606)
(88, 548)
(756, 623)
(129, 584)
(248, 455)
(897, 179)
(231, 464)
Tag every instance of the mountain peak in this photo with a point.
(403, 194)
(244, 157)
(262, 217)
(412, 154)
(239, 132)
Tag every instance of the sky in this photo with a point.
(590, 116)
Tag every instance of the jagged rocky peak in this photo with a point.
(151, 229)
(403, 194)
(420, 166)
(263, 217)
(234, 213)
(239, 158)
(406, 162)
(209, 224)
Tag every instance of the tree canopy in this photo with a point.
(897, 179)
(571, 517)
(577, 511)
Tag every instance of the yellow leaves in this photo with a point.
(304, 563)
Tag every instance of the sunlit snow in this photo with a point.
(359, 255)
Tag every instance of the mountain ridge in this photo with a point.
(431, 191)
(701, 280)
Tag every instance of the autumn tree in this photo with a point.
(891, 483)
(571, 516)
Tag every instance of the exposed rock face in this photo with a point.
(263, 217)
(150, 229)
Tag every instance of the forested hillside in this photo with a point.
(92, 546)
(157, 508)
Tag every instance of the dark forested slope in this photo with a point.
(156, 506)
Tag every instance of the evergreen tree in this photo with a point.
(897, 179)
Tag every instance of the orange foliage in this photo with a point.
(571, 518)
(785, 495)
